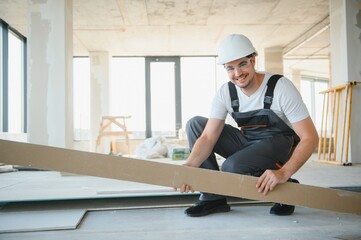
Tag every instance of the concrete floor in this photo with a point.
(115, 213)
(243, 222)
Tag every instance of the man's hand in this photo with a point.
(184, 189)
(269, 180)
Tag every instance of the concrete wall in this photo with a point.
(345, 33)
(50, 102)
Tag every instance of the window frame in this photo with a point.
(4, 81)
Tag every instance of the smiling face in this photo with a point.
(242, 73)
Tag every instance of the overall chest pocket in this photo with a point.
(256, 121)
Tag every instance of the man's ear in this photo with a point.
(253, 60)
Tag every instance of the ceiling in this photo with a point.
(194, 27)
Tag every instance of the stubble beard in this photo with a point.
(246, 81)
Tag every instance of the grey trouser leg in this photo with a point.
(242, 156)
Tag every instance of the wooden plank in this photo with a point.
(136, 170)
(338, 88)
(326, 124)
(338, 163)
(349, 110)
(345, 119)
(319, 150)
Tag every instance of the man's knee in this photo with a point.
(196, 125)
(233, 167)
(240, 168)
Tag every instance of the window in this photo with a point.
(1, 76)
(163, 99)
(158, 95)
(310, 89)
(198, 82)
(13, 80)
(127, 92)
(15, 85)
(81, 84)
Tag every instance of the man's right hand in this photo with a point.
(184, 189)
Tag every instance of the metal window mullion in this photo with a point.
(5, 76)
(148, 112)
(178, 96)
(25, 87)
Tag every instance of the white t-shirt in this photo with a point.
(287, 101)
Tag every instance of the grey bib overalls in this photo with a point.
(264, 141)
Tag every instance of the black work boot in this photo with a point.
(283, 209)
(203, 208)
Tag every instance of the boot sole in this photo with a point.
(283, 213)
(225, 208)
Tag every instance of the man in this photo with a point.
(276, 135)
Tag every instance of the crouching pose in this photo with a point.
(275, 134)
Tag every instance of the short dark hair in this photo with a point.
(252, 54)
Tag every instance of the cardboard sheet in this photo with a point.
(128, 169)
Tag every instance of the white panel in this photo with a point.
(40, 220)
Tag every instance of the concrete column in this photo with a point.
(99, 88)
(50, 59)
(273, 60)
(345, 33)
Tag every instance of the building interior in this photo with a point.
(121, 78)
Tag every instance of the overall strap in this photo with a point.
(234, 96)
(268, 98)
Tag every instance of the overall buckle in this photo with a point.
(268, 100)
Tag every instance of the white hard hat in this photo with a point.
(233, 47)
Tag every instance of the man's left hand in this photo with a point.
(269, 180)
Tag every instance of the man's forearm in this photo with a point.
(301, 154)
(200, 152)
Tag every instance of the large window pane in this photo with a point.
(198, 79)
(81, 83)
(127, 92)
(310, 89)
(307, 95)
(15, 84)
(1, 78)
(162, 81)
(319, 87)
(221, 75)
